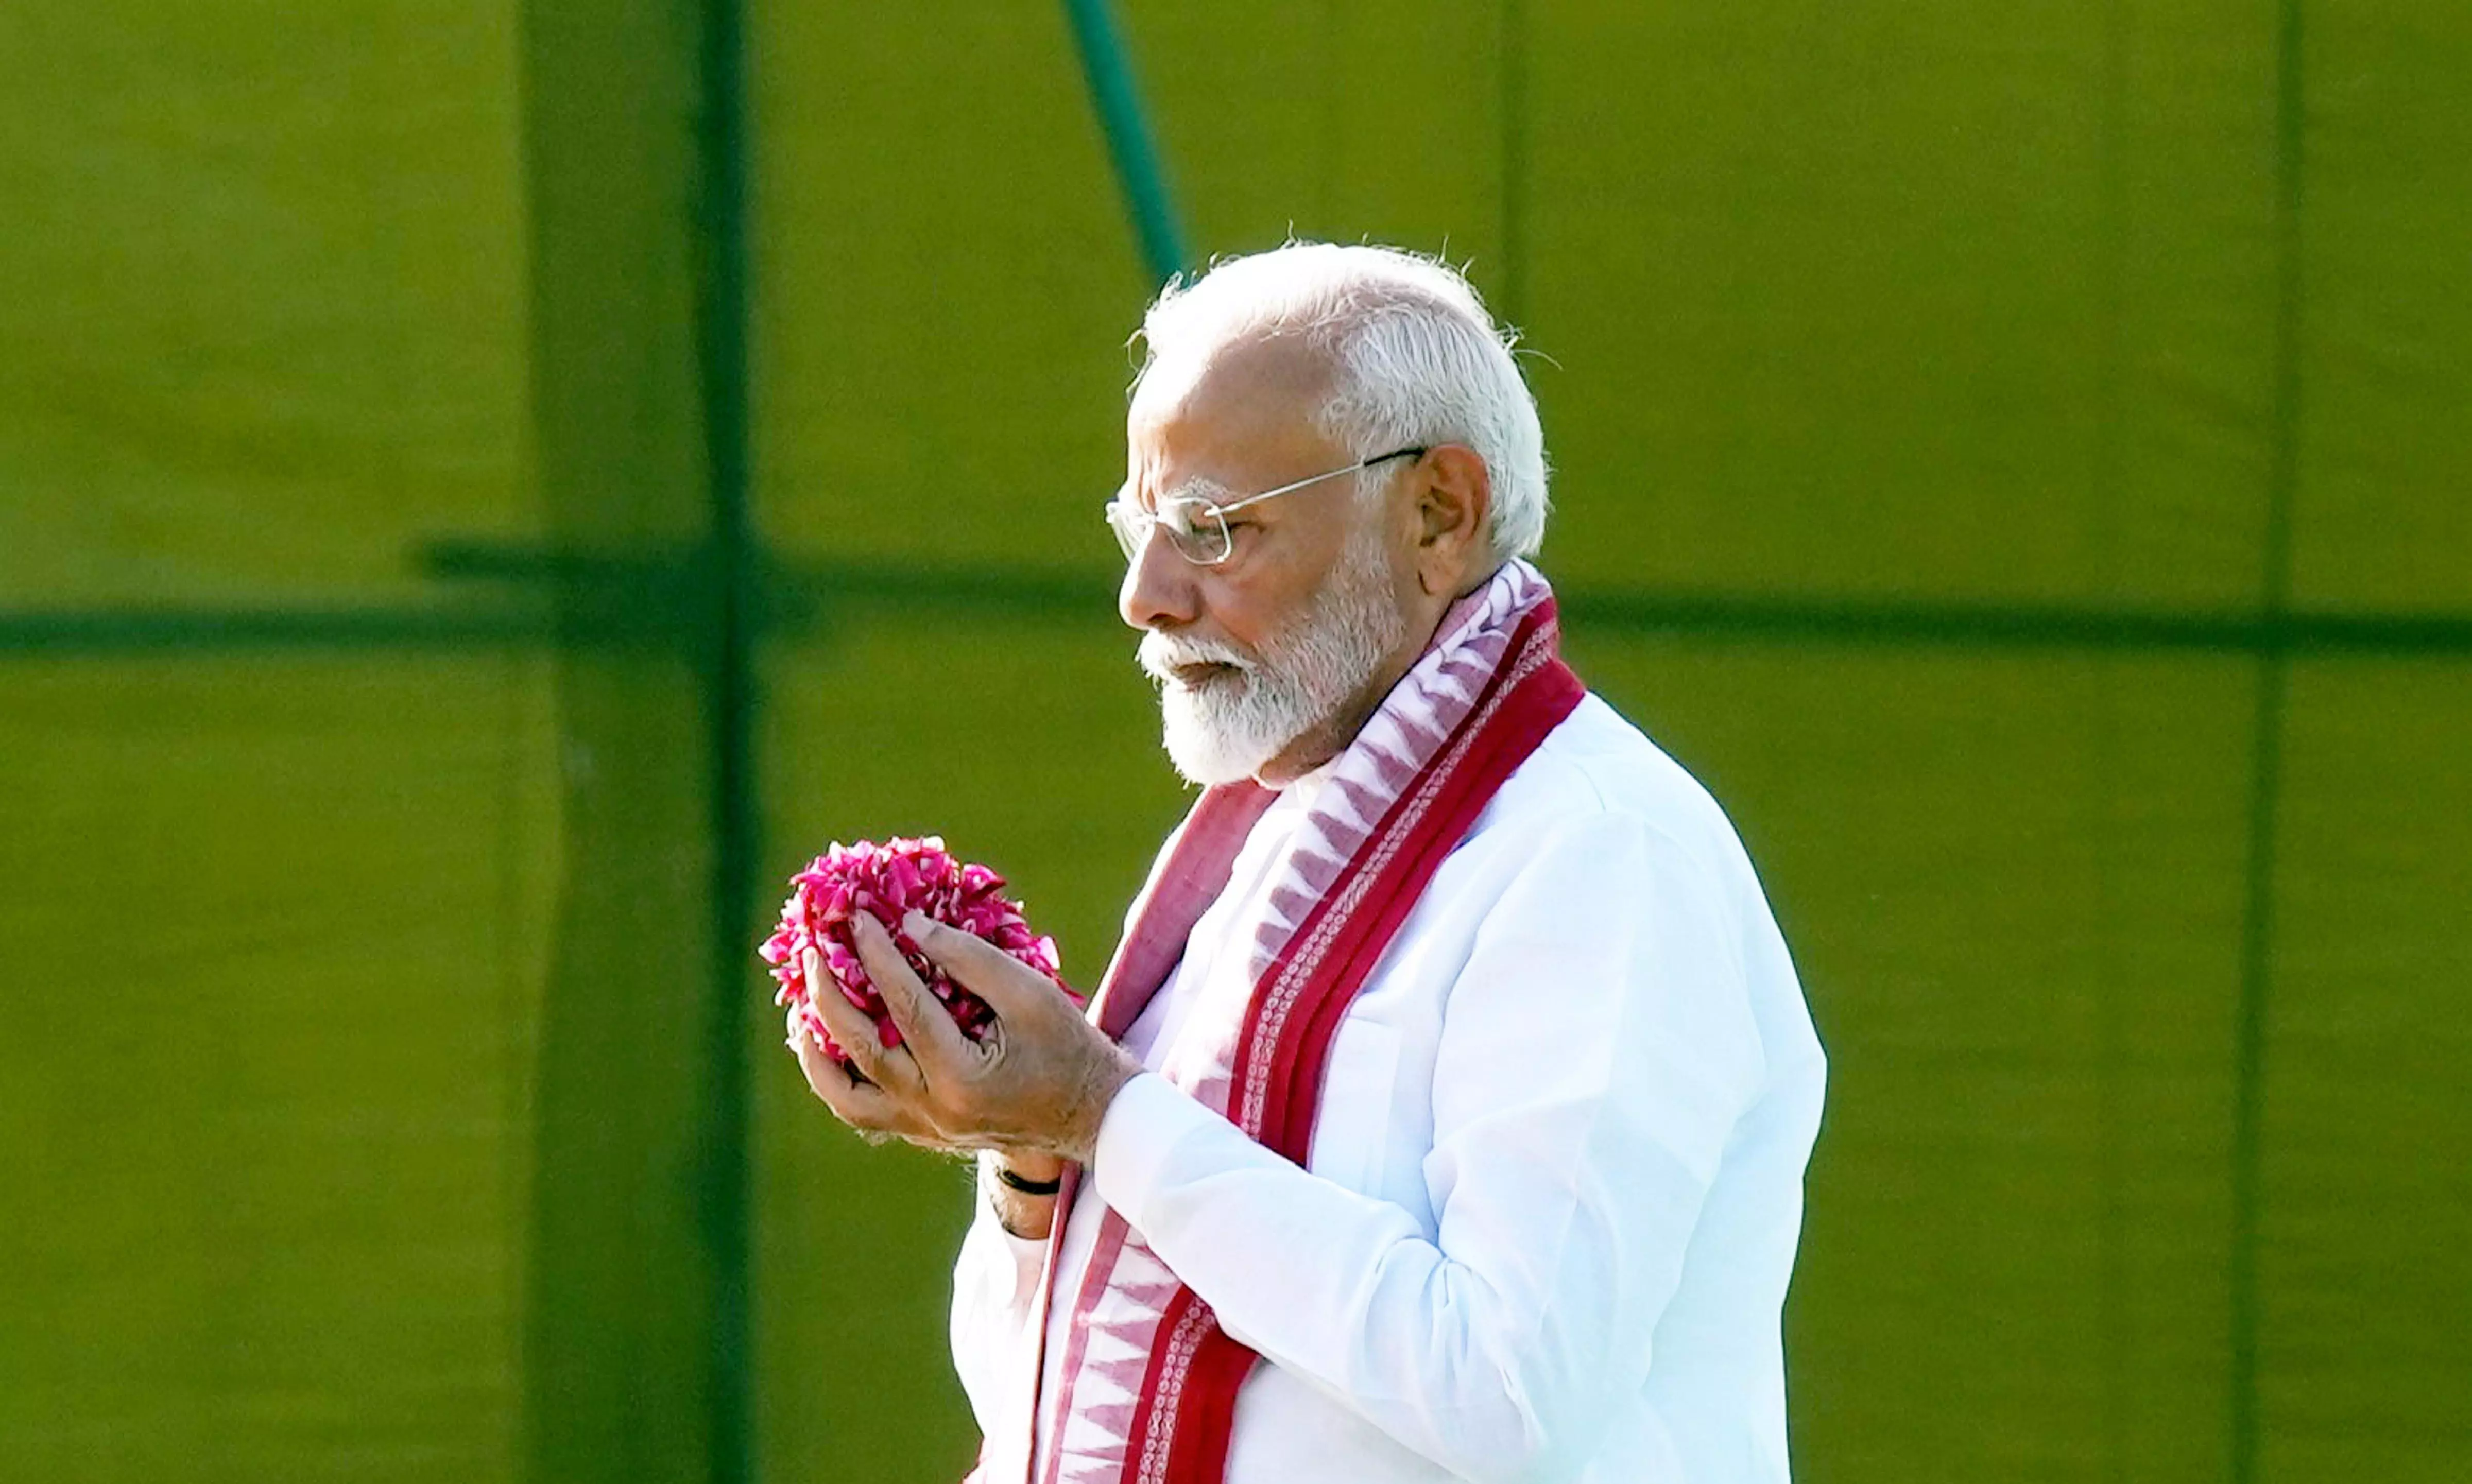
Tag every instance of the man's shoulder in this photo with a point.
(1596, 765)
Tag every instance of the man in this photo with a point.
(1444, 1111)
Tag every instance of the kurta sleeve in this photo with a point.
(1598, 1047)
(995, 1281)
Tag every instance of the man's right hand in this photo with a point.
(1032, 1165)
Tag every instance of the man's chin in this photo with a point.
(1209, 763)
(1205, 754)
(1205, 775)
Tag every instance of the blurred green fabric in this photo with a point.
(355, 979)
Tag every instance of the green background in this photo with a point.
(2017, 455)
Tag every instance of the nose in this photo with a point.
(1160, 590)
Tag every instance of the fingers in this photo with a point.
(1004, 983)
(821, 1070)
(871, 1111)
(927, 1028)
(887, 1066)
(860, 1106)
(1039, 1084)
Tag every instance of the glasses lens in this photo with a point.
(1197, 530)
(1131, 524)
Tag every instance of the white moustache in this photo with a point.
(1161, 654)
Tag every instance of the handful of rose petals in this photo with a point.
(887, 881)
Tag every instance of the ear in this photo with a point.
(1454, 513)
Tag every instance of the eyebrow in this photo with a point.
(1208, 491)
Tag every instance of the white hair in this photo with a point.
(1416, 359)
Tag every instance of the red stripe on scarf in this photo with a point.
(1179, 1431)
(1529, 695)
(1533, 705)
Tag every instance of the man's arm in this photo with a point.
(1026, 1214)
(995, 1279)
(1596, 1050)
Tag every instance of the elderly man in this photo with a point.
(1445, 1110)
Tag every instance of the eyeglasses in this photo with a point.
(1198, 528)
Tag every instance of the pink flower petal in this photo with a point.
(886, 880)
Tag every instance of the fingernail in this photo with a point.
(916, 923)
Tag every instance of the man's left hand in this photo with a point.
(1039, 1079)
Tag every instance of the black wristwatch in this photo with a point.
(1004, 1172)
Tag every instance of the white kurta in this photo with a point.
(1556, 1182)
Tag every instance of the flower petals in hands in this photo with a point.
(884, 882)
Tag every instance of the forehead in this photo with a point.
(1230, 414)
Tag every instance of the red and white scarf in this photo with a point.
(1148, 1381)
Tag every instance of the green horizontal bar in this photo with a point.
(2018, 625)
(112, 631)
(582, 599)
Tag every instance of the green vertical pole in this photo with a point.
(1109, 72)
(2265, 776)
(733, 576)
(624, 1265)
(1511, 295)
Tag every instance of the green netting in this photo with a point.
(1975, 429)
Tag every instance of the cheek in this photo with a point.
(1254, 606)
(1238, 615)
(1253, 601)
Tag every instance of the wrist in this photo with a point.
(1011, 1169)
(1103, 1088)
(1023, 1215)
(1029, 1164)
(1041, 1178)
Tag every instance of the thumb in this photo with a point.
(933, 1039)
(1004, 983)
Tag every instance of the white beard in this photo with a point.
(1230, 725)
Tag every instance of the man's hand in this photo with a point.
(1040, 1082)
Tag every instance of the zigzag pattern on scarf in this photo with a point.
(1127, 1291)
